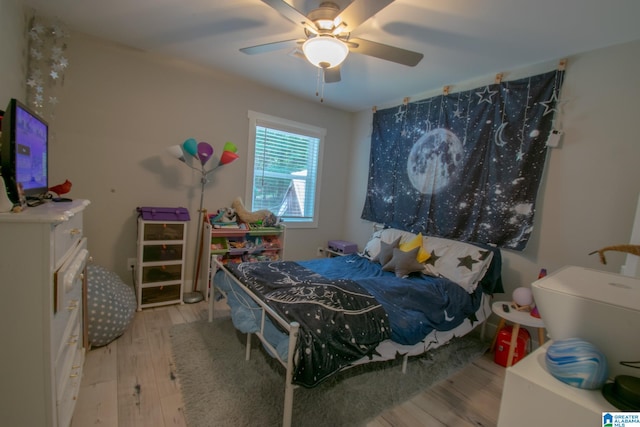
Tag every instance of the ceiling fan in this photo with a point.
(328, 40)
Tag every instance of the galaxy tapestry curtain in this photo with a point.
(464, 166)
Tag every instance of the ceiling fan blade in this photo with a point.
(269, 47)
(332, 75)
(292, 14)
(386, 52)
(359, 11)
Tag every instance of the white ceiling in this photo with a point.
(460, 39)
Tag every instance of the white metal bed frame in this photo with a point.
(292, 330)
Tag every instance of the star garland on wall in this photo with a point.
(46, 64)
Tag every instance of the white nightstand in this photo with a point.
(532, 397)
(517, 318)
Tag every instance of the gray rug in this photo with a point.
(220, 388)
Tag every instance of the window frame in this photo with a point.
(273, 122)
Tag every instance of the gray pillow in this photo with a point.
(386, 251)
(404, 263)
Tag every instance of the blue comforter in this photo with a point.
(415, 305)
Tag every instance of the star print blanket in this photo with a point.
(346, 306)
(339, 320)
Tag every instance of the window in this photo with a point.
(285, 178)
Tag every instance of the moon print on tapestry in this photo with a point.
(433, 160)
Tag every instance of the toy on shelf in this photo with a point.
(264, 217)
(226, 218)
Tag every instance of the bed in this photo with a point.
(404, 295)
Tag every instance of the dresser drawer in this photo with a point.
(67, 293)
(65, 236)
(67, 399)
(65, 368)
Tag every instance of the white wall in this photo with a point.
(13, 44)
(121, 108)
(590, 187)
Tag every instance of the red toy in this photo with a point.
(503, 343)
(61, 189)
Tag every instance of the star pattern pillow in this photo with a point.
(460, 262)
(386, 251)
(404, 263)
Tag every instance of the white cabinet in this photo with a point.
(531, 396)
(161, 262)
(43, 256)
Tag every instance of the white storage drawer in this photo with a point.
(66, 235)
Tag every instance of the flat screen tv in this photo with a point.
(24, 162)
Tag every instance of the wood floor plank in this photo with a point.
(97, 405)
(158, 325)
(187, 312)
(101, 364)
(173, 410)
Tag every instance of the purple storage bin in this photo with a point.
(163, 214)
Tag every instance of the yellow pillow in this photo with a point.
(416, 242)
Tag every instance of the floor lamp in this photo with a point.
(202, 152)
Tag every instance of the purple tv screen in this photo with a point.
(31, 150)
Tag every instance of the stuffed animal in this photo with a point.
(251, 217)
(224, 215)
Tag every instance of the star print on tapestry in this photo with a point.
(466, 165)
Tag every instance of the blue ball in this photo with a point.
(578, 363)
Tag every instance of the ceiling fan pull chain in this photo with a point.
(318, 82)
(322, 90)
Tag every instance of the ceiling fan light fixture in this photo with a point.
(325, 51)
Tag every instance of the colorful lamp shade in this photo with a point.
(191, 146)
(205, 151)
(227, 157)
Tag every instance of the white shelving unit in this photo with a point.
(160, 262)
(239, 245)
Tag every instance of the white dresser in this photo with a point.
(43, 256)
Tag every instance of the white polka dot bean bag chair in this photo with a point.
(111, 304)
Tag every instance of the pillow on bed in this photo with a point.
(416, 242)
(386, 251)
(404, 263)
(460, 262)
(388, 235)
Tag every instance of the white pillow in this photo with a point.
(388, 235)
(460, 262)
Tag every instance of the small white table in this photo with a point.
(517, 318)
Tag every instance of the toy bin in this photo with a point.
(503, 343)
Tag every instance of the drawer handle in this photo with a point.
(73, 339)
(73, 304)
(75, 367)
(73, 376)
(75, 231)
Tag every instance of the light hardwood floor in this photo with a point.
(132, 382)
